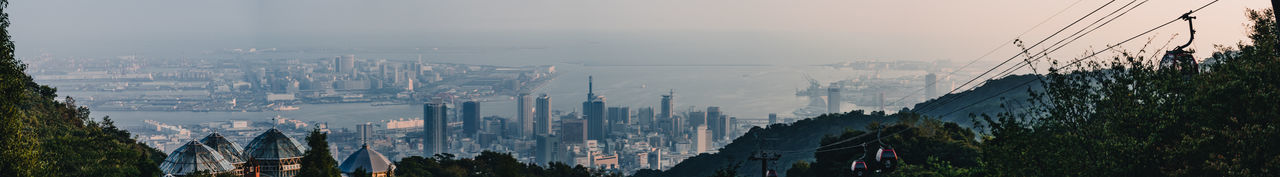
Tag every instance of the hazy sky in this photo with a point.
(677, 31)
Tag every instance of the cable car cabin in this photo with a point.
(1180, 60)
(888, 158)
(771, 173)
(859, 168)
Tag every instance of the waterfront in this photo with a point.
(743, 91)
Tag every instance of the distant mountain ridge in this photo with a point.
(801, 135)
(956, 107)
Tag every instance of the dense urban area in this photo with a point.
(234, 112)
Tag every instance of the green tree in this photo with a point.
(19, 155)
(416, 166)
(1131, 117)
(728, 171)
(800, 169)
(488, 164)
(317, 161)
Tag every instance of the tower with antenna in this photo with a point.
(590, 89)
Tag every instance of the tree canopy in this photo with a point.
(317, 161)
(487, 164)
(41, 136)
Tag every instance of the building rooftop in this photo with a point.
(366, 158)
(229, 150)
(192, 157)
(272, 145)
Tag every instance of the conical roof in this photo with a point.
(229, 150)
(192, 157)
(273, 145)
(368, 159)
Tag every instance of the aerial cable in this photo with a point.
(1047, 51)
(1002, 45)
(1076, 61)
(1006, 61)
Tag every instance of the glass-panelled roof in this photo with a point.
(273, 144)
(192, 157)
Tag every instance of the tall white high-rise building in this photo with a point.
(701, 139)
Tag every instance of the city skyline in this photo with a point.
(287, 88)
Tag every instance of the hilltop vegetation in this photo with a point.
(1130, 117)
(1126, 116)
(803, 134)
(488, 164)
(41, 136)
(928, 147)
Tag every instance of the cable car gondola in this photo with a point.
(1179, 58)
(886, 156)
(860, 167)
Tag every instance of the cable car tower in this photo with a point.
(765, 157)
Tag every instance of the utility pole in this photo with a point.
(764, 158)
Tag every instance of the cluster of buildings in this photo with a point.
(234, 84)
(270, 154)
(870, 93)
(601, 136)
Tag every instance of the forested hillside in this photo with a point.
(801, 135)
(1125, 115)
(488, 164)
(41, 136)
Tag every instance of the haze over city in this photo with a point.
(610, 32)
(663, 88)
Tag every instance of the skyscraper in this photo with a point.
(930, 86)
(591, 88)
(701, 139)
(676, 127)
(833, 99)
(597, 122)
(620, 116)
(542, 115)
(524, 115)
(470, 118)
(345, 64)
(695, 119)
(594, 111)
(644, 117)
(773, 118)
(717, 122)
(573, 131)
(545, 151)
(668, 103)
(434, 124)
